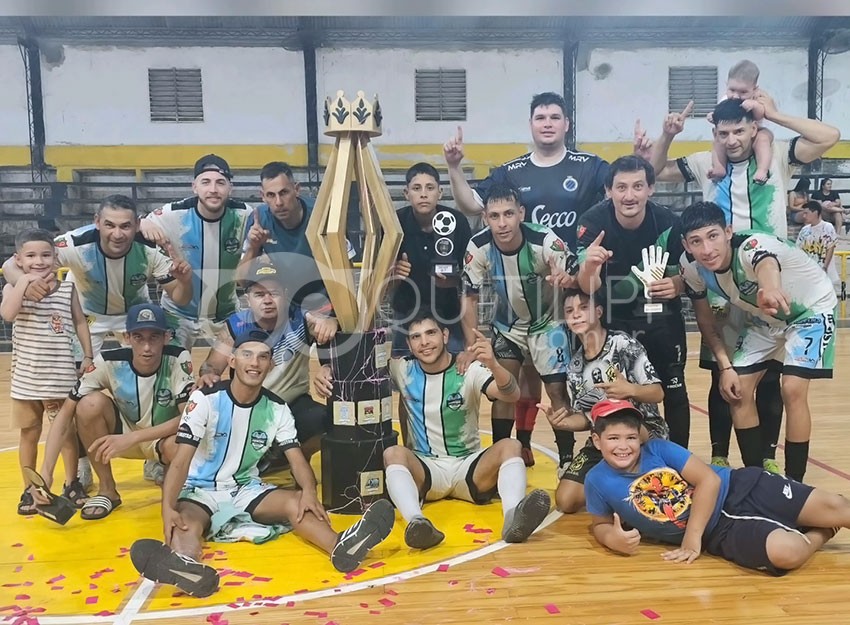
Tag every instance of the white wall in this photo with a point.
(637, 87)
(836, 91)
(99, 96)
(14, 127)
(499, 86)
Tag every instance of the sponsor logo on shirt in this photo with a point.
(259, 439)
(570, 184)
(578, 158)
(454, 401)
(524, 189)
(517, 165)
(552, 220)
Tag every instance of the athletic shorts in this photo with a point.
(100, 329)
(586, 458)
(185, 332)
(146, 450)
(758, 503)
(806, 348)
(28, 413)
(450, 477)
(730, 320)
(548, 351)
(242, 498)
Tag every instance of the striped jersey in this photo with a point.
(290, 376)
(442, 408)
(747, 205)
(802, 279)
(524, 300)
(212, 249)
(110, 286)
(143, 401)
(230, 437)
(42, 360)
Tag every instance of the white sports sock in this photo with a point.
(402, 490)
(511, 483)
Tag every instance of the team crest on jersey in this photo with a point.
(90, 368)
(138, 279)
(187, 367)
(259, 439)
(748, 287)
(231, 245)
(532, 278)
(570, 184)
(468, 258)
(158, 212)
(190, 406)
(558, 246)
(163, 397)
(60, 242)
(751, 244)
(56, 324)
(286, 354)
(454, 401)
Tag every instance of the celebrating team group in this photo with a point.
(587, 304)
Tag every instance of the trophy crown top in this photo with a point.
(344, 116)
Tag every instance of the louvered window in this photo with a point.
(697, 83)
(176, 95)
(440, 95)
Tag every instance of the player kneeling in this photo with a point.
(223, 434)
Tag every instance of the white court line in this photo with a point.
(131, 613)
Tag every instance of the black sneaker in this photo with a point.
(420, 533)
(354, 543)
(158, 563)
(526, 517)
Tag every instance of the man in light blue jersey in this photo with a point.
(443, 457)
(223, 433)
(147, 385)
(111, 265)
(207, 229)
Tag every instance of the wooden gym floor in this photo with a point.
(80, 573)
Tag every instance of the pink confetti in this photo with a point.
(30, 558)
(500, 572)
(92, 586)
(374, 611)
(453, 582)
(57, 588)
(262, 579)
(18, 569)
(551, 608)
(316, 614)
(392, 592)
(355, 573)
(491, 591)
(650, 614)
(364, 605)
(21, 597)
(377, 565)
(18, 545)
(290, 604)
(233, 583)
(387, 603)
(443, 568)
(91, 600)
(8, 585)
(58, 578)
(480, 542)
(299, 592)
(242, 574)
(76, 592)
(105, 613)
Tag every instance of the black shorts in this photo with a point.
(586, 458)
(758, 503)
(310, 417)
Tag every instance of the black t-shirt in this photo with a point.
(623, 289)
(557, 195)
(420, 289)
(832, 196)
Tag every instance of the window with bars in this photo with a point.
(440, 95)
(176, 95)
(697, 83)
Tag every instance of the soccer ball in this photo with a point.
(444, 223)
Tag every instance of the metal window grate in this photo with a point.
(440, 95)
(697, 83)
(176, 95)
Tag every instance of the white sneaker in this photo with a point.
(84, 473)
(154, 472)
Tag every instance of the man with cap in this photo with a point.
(224, 432)
(290, 333)
(207, 231)
(660, 490)
(147, 384)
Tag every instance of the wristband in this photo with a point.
(729, 368)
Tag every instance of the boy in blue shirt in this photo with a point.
(659, 490)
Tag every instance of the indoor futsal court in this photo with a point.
(81, 573)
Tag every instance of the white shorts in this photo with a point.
(450, 477)
(806, 348)
(548, 351)
(100, 327)
(242, 498)
(186, 331)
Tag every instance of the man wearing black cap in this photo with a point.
(290, 336)
(206, 230)
(148, 383)
(224, 432)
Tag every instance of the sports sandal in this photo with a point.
(158, 563)
(26, 506)
(75, 493)
(98, 507)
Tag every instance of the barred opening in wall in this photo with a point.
(697, 83)
(176, 95)
(440, 95)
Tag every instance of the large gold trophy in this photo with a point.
(361, 403)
